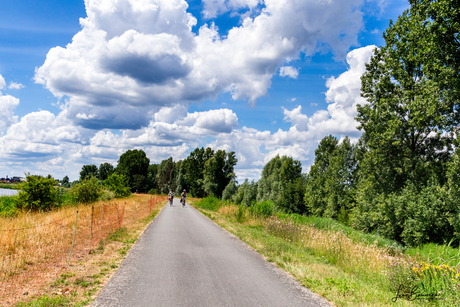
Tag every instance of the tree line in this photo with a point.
(204, 172)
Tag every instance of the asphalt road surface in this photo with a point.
(185, 259)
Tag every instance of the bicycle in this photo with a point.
(182, 200)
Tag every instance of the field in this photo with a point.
(37, 248)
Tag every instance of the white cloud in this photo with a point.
(343, 95)
(213, 8)
(2, 82)
(134, 57)
(289, 71)
(7, 105)
(42, 142)
(15, 86)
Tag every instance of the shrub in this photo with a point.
(37, 194)
(87, 191)
(118, 184)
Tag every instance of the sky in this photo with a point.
(83, 81)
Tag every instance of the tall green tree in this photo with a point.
(134, 165)
(88, 171)
(410, 124)
(316, 192)
(218, 172)
(194, 170)
(411, 114)
(105, 170)
(165, 175)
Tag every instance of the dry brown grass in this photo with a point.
(35, 247)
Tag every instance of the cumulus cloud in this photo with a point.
(15, 86)
(52, 143)
(343, 96)
(289, 71)
(213, 8)
(7, 105)
(132, 58)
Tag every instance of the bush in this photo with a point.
(118, 184)
(37, 194)
(87, 191)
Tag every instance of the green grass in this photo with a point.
(8, 206)
(11, 186)
(436, 254)
(46, 301)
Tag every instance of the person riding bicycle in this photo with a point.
(183, 196)
(171, 197)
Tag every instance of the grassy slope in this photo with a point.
(344, 266)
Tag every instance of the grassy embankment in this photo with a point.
(79, 284)
(347, 267)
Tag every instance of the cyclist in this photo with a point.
(183, 196)
(171, 197)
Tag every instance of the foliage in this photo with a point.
(165, 175)
(118, 184)
(229, 190)
(87, 191)
(193, 169)
(218, 172)
(37, 194)
(8, 206)
(65, 182)
(246, 194)
(332, 177)
(105, 170)
(134, 165)
(292, 197)
(88, 171)
(413, 216)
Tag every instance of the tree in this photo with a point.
(165, 175)
(105, 170)
(37, 193)
(118, 184)
(88, 171)
(218, 172)
(410, 124)
(65, 182)
(194, 170)
(410, 118)
(134, 165)
(316, 193)
(151, 179)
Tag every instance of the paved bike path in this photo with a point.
(185, 259)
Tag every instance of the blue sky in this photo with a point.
(81, 82)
